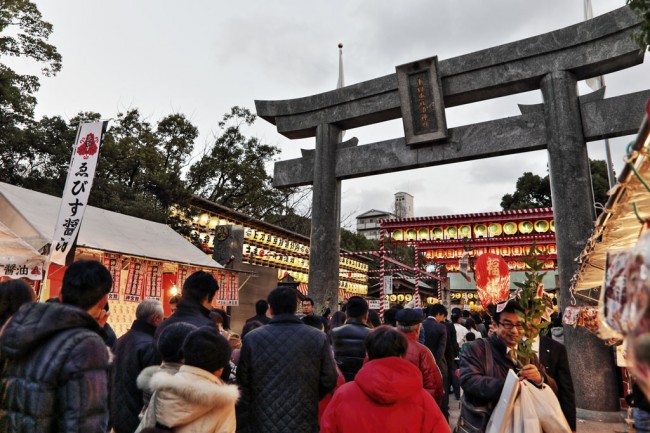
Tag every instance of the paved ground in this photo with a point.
(583, 425)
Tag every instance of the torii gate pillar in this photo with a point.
(326, 219)
(573, 206)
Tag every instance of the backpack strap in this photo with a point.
(489, 361)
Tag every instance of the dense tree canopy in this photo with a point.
(642, 9)
(534, 191)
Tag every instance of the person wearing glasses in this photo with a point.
(483, 381)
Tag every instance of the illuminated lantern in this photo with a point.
(480, 230)
(423, 234)
(510, 228)
(495, 229)
(492, 279)
(450, 253)
(437, 233)
(526, 227)
(516, 251)
(451, 232)
(400, 297)
(408, 297)
(204, 219)
(493, 250)
(440, 254)
(552, 249)
(398, 235)
(411, 234)
(505, 251)
(465, 231)
(553, 226)
(214, 221)
(541, 226)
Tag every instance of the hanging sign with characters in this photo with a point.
(492, 279)
(77, 189)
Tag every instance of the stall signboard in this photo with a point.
(135, 281)
(228, 293)
(31, 269)
(153, 280)
(77, 189)
(113, 262)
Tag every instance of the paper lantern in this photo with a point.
(510, 228)
(398, 235)
(451, 232)
(480, 230)
(525, 227)
(437, 233)
(423, 234)
(492, 279)
(465, 231)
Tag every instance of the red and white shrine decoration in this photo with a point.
(492, 279)
(77, 189)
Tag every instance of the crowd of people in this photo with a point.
(287, 371)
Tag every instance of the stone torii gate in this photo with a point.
(553, 62)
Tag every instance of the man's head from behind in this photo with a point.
(199, 288)
(385, 341)
(150, 311)
(261, 307)
(438, 312)
(283, 300)
(357, 308)
(86, 284)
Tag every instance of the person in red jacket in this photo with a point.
(409, 322)
(385, 395)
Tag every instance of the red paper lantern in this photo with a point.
(492, 279)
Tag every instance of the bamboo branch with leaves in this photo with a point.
(530, 297)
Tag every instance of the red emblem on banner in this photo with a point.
(88, 146)
(492, 279)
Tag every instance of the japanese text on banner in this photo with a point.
(77, 189)
(113, 263)
(134, 282)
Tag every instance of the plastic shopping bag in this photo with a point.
(547, 407)
(502, 416)
(528, 420)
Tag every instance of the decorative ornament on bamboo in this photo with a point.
(492, 279)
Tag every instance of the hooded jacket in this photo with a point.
(53, 371)
(194, 401)
(385, 396)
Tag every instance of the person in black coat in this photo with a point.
(194, 307)
(134, 351)
(553, 356)
(284, 369)
(348, 340)
(261, 307)
(54, 376)
(482, 385)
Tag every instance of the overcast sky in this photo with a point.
(200, 58)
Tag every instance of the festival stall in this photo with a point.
(613, 279)
(452, 245)
(268, 252)
(18, 259)
(147, 259)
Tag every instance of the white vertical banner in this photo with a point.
(388, 284)
(77, 189)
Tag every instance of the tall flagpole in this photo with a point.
(340, 83)
(597, 83)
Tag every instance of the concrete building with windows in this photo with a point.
(403, 205)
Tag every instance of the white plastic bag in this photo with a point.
(502, 416)
(529, 421)
(547, 407)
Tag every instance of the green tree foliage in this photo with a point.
(232, 171)
(139, 172)
(23, 34)
(533, 191)
(642, 9)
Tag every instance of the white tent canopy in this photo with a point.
(32, 215)
(18, 259)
